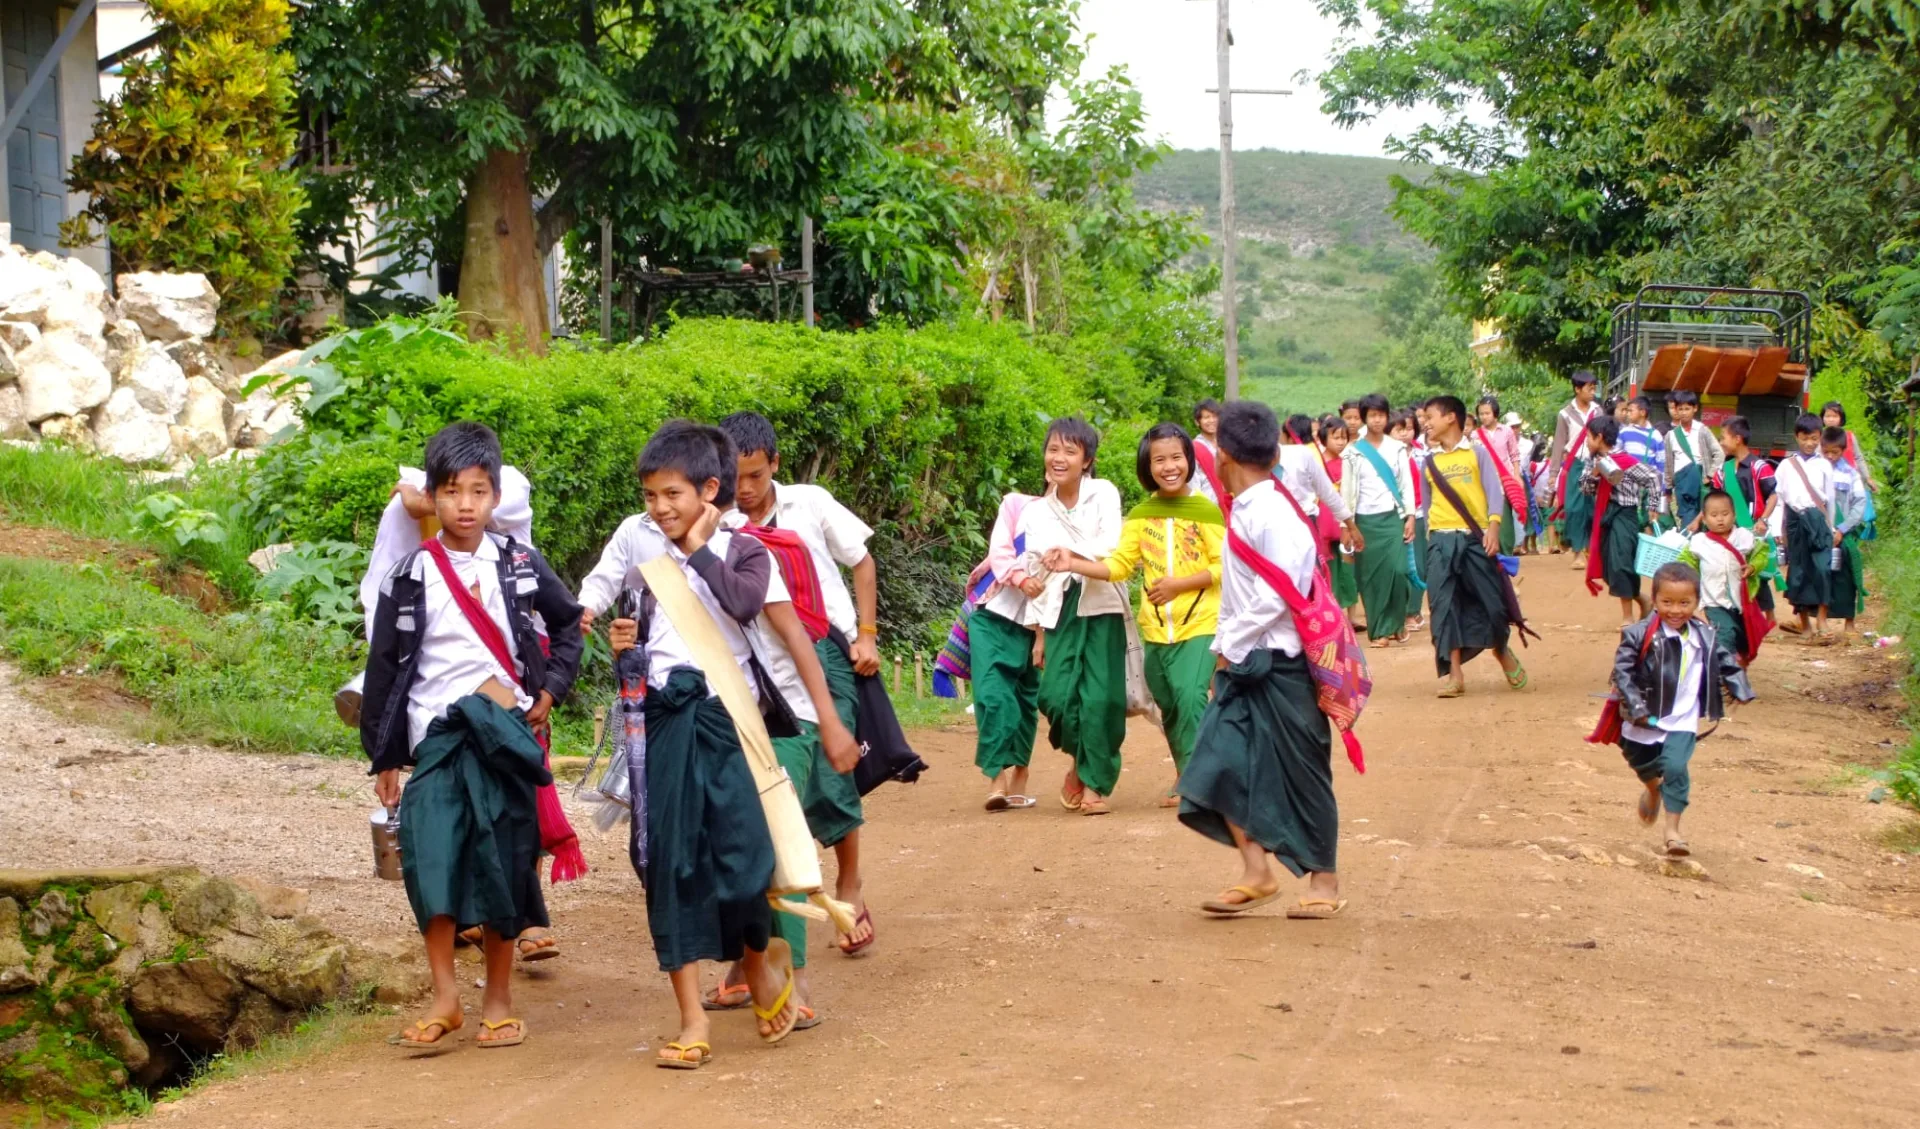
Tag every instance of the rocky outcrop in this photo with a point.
(68, 349)
(113, 978)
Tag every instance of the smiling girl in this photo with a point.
(1173, 540)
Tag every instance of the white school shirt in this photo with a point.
(1306, 476)
(833, 535)
(1706, 451)
(452, 662)
(1792, 490)
(398, 533)
(1252, 614)
(766, 641)
(668, 652)
(1685, 715)
(1373, 495)
(1097, 517)
(1723, 576)
(637, 541)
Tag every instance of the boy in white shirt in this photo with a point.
(1720, 551)
(1848, 595)
(456, 681)
(1261, 775)
(1804, 487)
(1693, 458)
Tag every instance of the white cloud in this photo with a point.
(1167, 47)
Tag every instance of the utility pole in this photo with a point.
(1229, 313)
(806, 265)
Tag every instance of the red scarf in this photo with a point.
(1596, 554)
(1204, 457)
(1575, 445)
(1752, 617)
(1516, 493)
(556, 834)
(790, 551)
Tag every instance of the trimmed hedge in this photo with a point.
(919, 431)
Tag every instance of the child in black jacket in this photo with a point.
(1670, 672)
(456, 680)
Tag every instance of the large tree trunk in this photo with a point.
(501, 291)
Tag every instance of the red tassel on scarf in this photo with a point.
(556, 834)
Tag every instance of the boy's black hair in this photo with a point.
(1354, 404)
(1833, 437)
(1300, 427)
(1641, 402)
(1376, 402)
(1808, 424)
(1584, 376)
(1610, 405)
(1080, 433)
(461, 445)
(1606, 427)
(694, 451)
(1449, 405)
(1143, 459)
(1682, 396)
(1834, 406)
(1711, 495)
(1673, 572)
(752, 433)
(1250, 433)
(1491, 401)
(729, 456)
(1738, 427)
(1207, 405)
(1403, 416)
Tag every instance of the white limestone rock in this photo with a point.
(8, 369)
(169, 307)
(124, 429)
(123, 338)
(205, 426)
(19, 334)
(74, 431)
(197, 358)
(24, 283)
(155, 378)
(69, 309)
(61, 376)
(13, 414)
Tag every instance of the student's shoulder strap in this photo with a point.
(1447, 491)
(1380, 467)
(1680, 436)
(1265, 569)
(676, 600)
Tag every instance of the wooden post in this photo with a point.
(606, 280)
(919, 674)
(896, 676)
(806, 265)
(1229, 315)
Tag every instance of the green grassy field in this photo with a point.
(1316, 248)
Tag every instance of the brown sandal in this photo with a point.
(439, 1043)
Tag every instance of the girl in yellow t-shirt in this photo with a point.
(1174, 540)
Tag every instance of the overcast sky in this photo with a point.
(1167, 47)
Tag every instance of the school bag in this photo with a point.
(1509, 599)
(1341, 683)
(955, 660)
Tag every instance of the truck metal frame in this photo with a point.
(1745, 352)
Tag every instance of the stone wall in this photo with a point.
(133, 376)
(120, 978)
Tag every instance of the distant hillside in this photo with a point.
(1317, 246)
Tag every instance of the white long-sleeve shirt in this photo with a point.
(1371, 493)
(399, 532)
(1090, 529)
(1793, 490)
(1723, 575)
(634, 543)
(1306, 476)
(1252, 614)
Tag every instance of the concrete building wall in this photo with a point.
(77, 89)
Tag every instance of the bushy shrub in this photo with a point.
(186, 169)
(919, 431)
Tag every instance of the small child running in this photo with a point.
(1670, 671)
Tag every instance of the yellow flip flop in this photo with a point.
(680, 1061)
(509, 1041)
(781, 954)
(447, 1024)
(1316, 909)
(1255, 899)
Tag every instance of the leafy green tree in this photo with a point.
(697, 125)
(185, 170)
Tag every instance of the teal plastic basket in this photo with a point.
(1652, 554)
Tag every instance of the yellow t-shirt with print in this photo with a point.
(1195, 546)
(1461, 468)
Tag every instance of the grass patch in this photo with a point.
(255, 679)
(1903, 836)
(1895, 562)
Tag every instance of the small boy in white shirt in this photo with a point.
(1804, 486)
(1721, 549)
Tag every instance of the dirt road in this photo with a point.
(1041, 969)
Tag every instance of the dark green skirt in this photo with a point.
(709, 854)
(1346, 586)
(1577, 529)
(1264, 763)
(1381, 569)
(1006, 688)
(469, 830)
(1619, 544)
(1083, 691)
(1809, 560)
(1849, 596)
(1463, 587)
(1731, 629)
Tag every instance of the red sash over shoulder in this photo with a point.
(1596, 548)
(790, 551)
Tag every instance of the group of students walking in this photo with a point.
(733, 622)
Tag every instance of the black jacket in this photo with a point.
(1648, 684)
(528, 586)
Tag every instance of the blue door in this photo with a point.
(36, 170)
